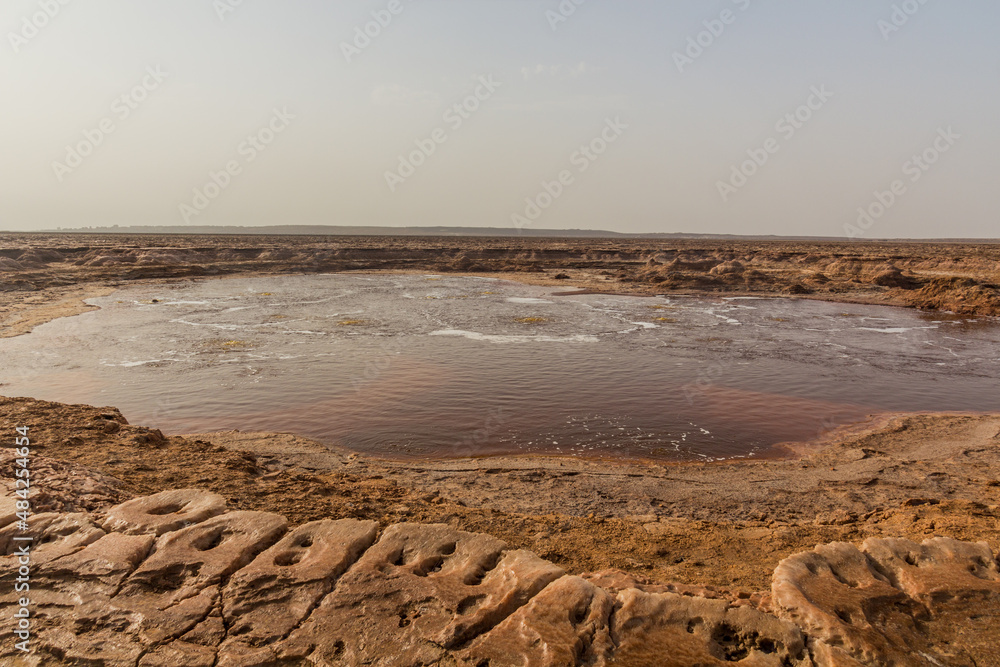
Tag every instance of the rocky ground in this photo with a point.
(46, 275)
(291, 554)
(174, 579)
(566, 576)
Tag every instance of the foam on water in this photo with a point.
(893, 330)
(521, 299)
(453, 366)
(494, 338)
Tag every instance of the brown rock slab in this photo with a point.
(836, 596)
(104, 563)
(179, 654)
(267, 599)
(671, 630)
(418, 592)
(89, 639)
(565, 624)
(615, 581)
(59, 486)
(53, 535)
(238, 590)
(164, 512)
(8, 506)
(939, 570)
(177, 586)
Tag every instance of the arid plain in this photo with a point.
(725, 526)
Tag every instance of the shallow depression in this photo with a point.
(431, 366)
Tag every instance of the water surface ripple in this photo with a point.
(431, 366)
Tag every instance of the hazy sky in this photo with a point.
(626, 115)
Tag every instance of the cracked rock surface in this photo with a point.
(174, 580)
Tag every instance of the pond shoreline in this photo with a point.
(373, 362)
(912, 476)
(958, 277)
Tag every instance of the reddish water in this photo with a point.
(428, 367)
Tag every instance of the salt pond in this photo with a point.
(432, 366)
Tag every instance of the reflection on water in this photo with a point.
(458, 366)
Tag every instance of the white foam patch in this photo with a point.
(893, 330)
(496, 338)
(133, 364)
(224, 327)
(525, 299)
(307, 303)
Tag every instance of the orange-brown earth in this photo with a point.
(729, 525)
(746, 531)
(911, 476)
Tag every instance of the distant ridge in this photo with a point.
(337, 230)
(442, 231)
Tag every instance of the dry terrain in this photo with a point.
(569, 553)
(484, 562)
(46, 275)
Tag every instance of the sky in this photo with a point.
(845, 118)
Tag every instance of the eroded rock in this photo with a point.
(418, 592)
(164, 512)
(671, 630)
(52, 535)
(237, 590)
(178, 585)
(835, 594)
(266, 600)
(106, 561)
(565, 624)
(938, 570)
(56, 486)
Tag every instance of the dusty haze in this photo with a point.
(122, 113)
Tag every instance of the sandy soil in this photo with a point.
(21, 316)
(729, 525)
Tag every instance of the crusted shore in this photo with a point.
(43, 276)
(269, 549)
(273, 552)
